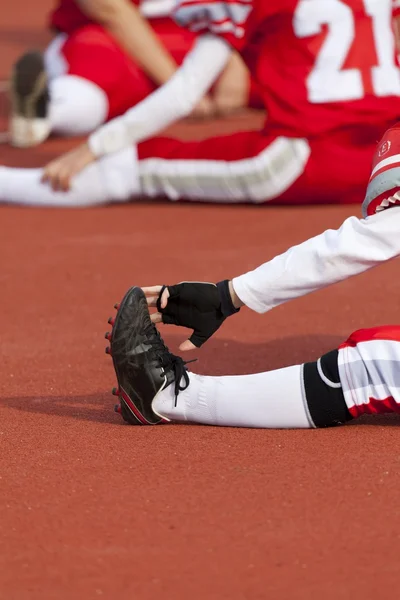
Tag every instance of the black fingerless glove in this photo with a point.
(202, 307)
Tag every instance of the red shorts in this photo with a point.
(90, 52)
(257, 167)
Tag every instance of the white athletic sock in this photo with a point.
(111, 178)
(77, 106)
(274, 399)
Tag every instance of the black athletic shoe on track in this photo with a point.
(143, 364)
(29, 123)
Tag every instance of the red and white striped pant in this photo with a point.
(258, 167)
(369, 369)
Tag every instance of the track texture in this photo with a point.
(92, 508)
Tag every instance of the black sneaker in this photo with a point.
(142, 362)
(29, 123)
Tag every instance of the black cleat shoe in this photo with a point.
(142, 362)
(29, 123)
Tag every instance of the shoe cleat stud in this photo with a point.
(115, 391)
(108, 336)
(116, 305)
(118, 409)
(111, 321)
(108, 350)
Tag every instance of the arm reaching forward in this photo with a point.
(332, 256)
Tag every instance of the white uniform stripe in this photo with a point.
(257, 179)
(214, 15)
(156, 8)
(386, 162)
(370, 370)
(226, 27)
(185, 3)
(387, 350)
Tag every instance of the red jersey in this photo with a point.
(383, 189)
(68, 17)
(321, 64)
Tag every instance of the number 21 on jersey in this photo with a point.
(330, 80)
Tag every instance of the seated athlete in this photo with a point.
(329, 78)
(358, 378)
(107, 56)
(155, 387)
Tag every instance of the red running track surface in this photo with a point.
(91, 508)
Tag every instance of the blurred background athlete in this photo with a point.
(106, 56)
(328, 74)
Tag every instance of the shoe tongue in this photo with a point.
(170, 376)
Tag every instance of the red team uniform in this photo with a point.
(329, 78)
(90, 52)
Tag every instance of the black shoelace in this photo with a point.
(169, 361)
(178, 366)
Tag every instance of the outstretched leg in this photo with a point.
(362, 377)
(292, 397)
(247, 166)
(243, 167)
(110, 179)
(154, 385)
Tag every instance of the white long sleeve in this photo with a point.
(332, 256)
(174, 100)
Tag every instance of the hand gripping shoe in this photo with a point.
(142, 362)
